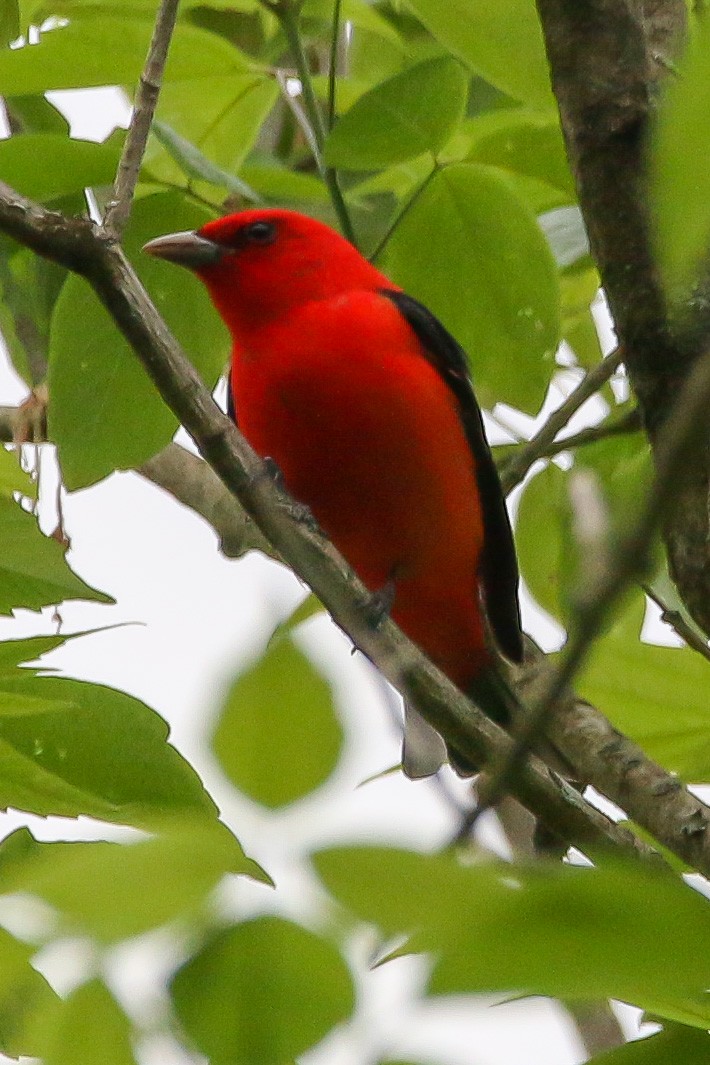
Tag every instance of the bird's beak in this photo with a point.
(186, 249)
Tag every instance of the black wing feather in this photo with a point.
(499, 565)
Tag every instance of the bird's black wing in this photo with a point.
(499, 566)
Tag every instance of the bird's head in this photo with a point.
(260, 263)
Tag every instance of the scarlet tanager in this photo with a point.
(364, 401)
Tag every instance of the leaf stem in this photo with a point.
(287, 13)
(385, 239)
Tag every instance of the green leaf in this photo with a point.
(36, 114)
(277, 737)
(9, 22)
(105, 412)
(621, 931)
(502, 42)
(196, 165)
(223, 128)
(89, 1028)
(503, 302)
(282, 185)
(13, 478)
(33, 568)
(414, 112)
(111, 51)
(676, 1044)
(25, 996)
(658, 696)
(524, 142)
(29, 286)
(115, 890)
(262, 993)
(67, 165)
(681, 189)
(542, 537)
(97, 752)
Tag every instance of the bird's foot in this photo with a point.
(380, 604)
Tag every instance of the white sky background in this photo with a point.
(192, 619)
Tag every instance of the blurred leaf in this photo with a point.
(414, 112)
(232, 110)
(9, 21)
(16, 652)
(98, 752)
(524, 142)
(680, 187)
(262, 993)
(277, 737)
(67, 165)
(105, 412)
(579, 286)
(622, 931)
(89, 1028)
(29, 286)
(659, 696)
(33, 569)
(676, 1044)
(502, 42)
(111, 51)
(541, 535)
(115, 890)
(282, 185)
(195, 165)
(25, 996)
(12, 477)
(36, 114)
(470, 250)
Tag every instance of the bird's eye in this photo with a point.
(260, 233)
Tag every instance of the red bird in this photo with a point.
(364, 401)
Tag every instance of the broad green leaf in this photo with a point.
(196, 165)
(104, 756)
(13, 478)
(111, 51)
(277, 737)
(282, 185)
(16, 652)
(223, 128)
(660, 696)
(621, 931)
(677, 1044)
(89, 1028)
(542, 537)
(105, 413)
(262, 993)
(116, 890)
(474, 254)
(414, 112)
(524, 142)
(680, 187)
(25, 997)
(67, 165)
(29, 287)
(33, 569)
(9, 21)
(36, 114)
(502, 42)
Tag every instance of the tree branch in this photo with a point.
(607, 58)
(538, 446)
(119, 209)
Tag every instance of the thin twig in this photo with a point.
(629, 561)
(333, 67)
(677, 622)
(146, 98)
(537, 447)
(630, 423)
